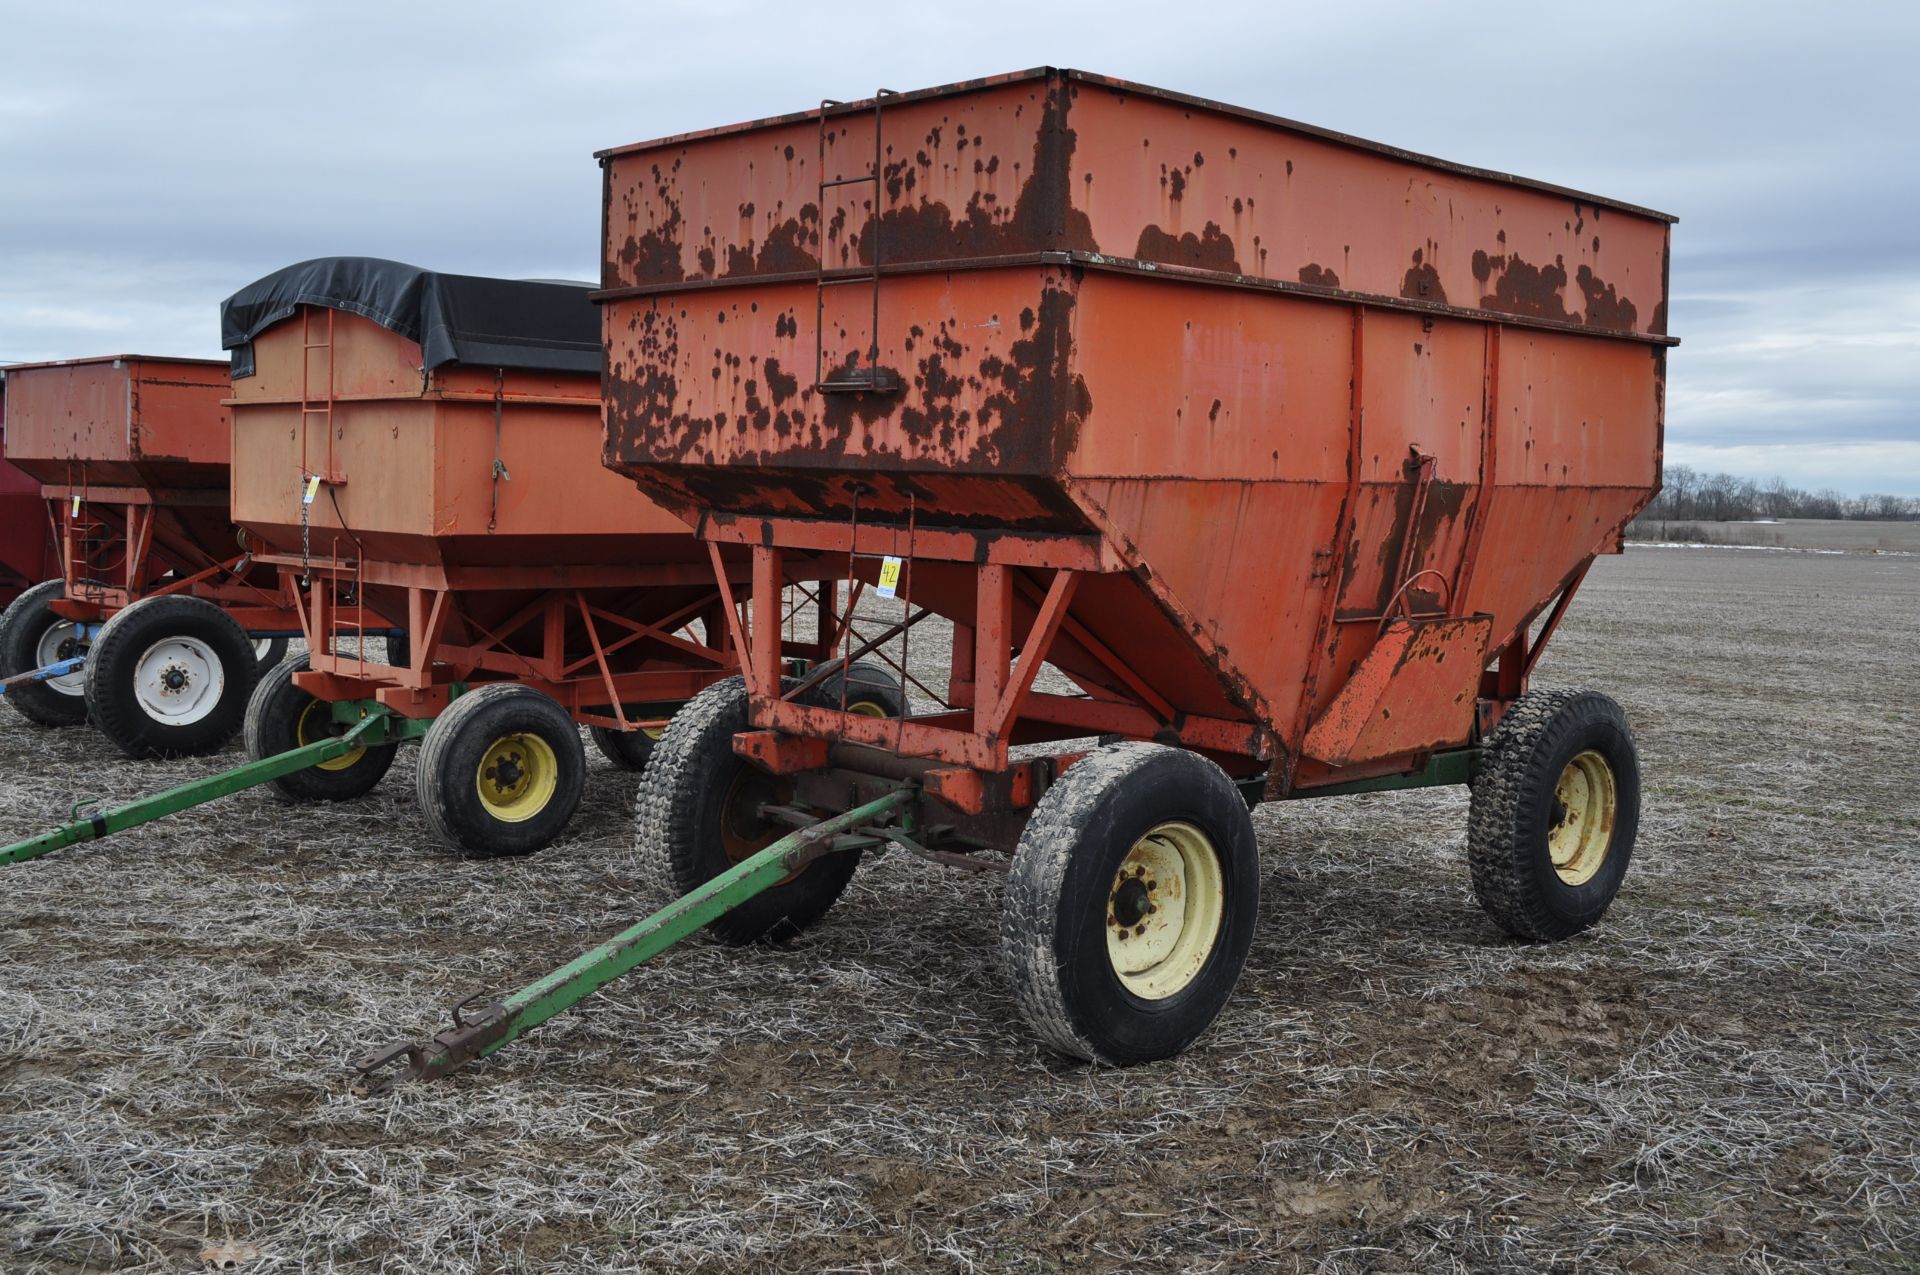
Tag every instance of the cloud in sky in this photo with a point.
(154, 158)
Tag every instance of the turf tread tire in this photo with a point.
(692, 767)
(1512, 872)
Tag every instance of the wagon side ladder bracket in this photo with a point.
(857, 380)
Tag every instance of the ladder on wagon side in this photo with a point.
(851, 378)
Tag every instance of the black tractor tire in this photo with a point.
(872, 690)
(133, 697)
(1081, 884)
(399, 651)
(26, 622)
(268, 652)
(517, 747)
(1560, 777)
(627, 749)
(281, 717)
(696, 816)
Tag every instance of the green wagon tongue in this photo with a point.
(500, 1023)
(377, 726)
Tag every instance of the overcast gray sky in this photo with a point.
(154, 157)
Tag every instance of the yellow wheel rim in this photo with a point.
(1164, 910)
(866, 708)
(316, 724)
(1581, 830)
(517, 777)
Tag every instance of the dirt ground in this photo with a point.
(1722, 1076)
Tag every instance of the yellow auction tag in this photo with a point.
(76, 505)
(889, 577)
(313, 486)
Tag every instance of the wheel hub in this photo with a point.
(317, 723)
(517, 777)
(1131, 903)
(1580, 818)
(60, 642)
(744, 831)
(506, 773)
(1164, 910)
(178, 680)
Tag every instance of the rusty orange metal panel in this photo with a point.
(717, 386)
(1170, 178)
(1052, 160)
(1414, 690)
(121, 421)
(1297, 383)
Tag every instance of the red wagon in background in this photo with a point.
(25, 556)
(158, 621)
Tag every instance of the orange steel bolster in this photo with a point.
(781, 754)
(874, 540)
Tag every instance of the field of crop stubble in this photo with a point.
(1722, 1076)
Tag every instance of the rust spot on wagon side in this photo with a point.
(1526, 289)
(1042, 217)
(1318, 276)
(1422, 281)
(1211, 249)
(653, 256)
(1605, 308)
(784, 250)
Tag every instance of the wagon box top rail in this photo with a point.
(89, 360)
(864, 105)
(1117, 176)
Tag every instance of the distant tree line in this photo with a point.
(1690, 495)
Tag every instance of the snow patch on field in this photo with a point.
(1703, 544)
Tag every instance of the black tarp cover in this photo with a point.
(533, 325)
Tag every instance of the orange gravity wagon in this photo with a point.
(1244, 460)
(427, 445)
(158, 621)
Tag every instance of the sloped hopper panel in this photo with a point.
(1415, 690)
